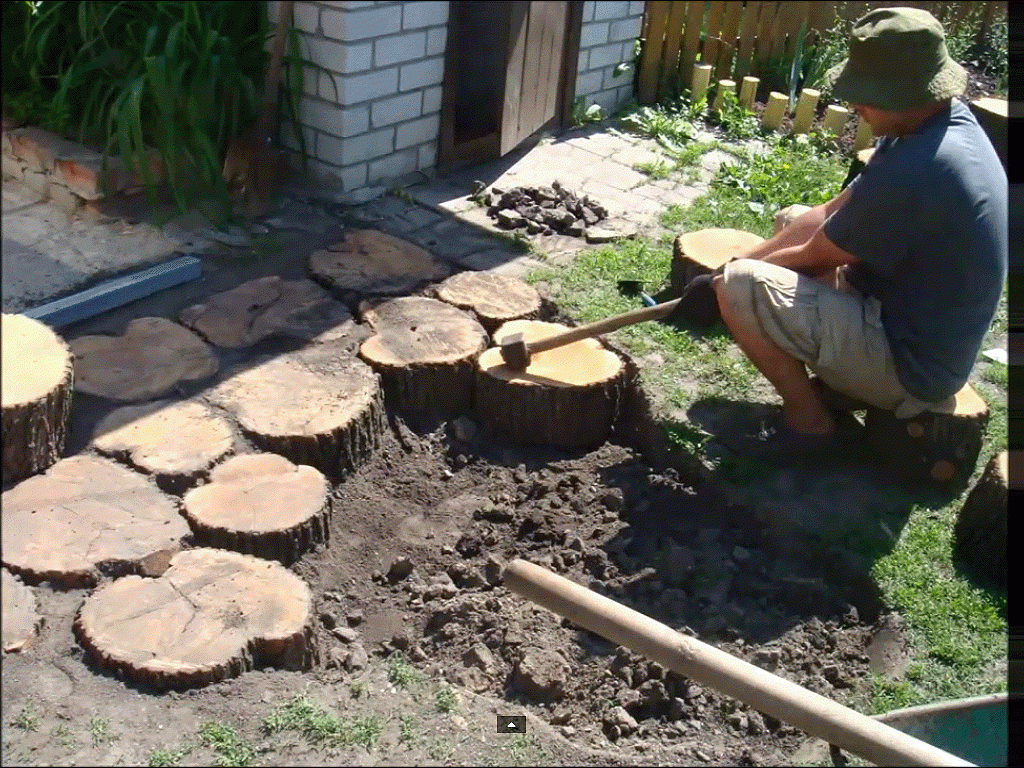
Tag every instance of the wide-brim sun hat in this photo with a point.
(898, 61)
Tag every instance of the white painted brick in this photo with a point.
(323, 170)
(636, 8)
(361, 25)
(588, 83)
(396, 110)
(353, 176)
(289, 140)
(611, 9)
(328, 148)
(394, 50)
(608, 100)
(583, 63)
(354, 121)
(611, 81)
(428, 155)
(417, 131)
(353, 4)
(372, 85)
(319, 115)
(427, 13)
(437, 39)
(421, 73)
(307, 17)
(625, 29)
(328, 54)
(359, 149)
(310, 81)
(593, 34)
(431, 100)
(398, 164)
(589, 8)
(330, 86)
(625, 93)
(605, 55)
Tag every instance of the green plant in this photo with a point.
(401, 672)
(27, 719)
(406, 729)
(357, 689)
(735, 120)
(658, 169)
(582, 114)
(163, 758)
(62, 735)
(829, 48)
(227, 744)
(440, 750)
(445, 700)
(98, 730)
(318, 726)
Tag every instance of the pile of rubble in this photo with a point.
(541, 210)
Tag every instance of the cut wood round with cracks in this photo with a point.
(317, 406)
(38, 376)
(21, 620)
(494, 299)
(211, 616)
(980, 531)
(567, 397)
(86, 517)
(705, 250)
(176, 442)
(425, 352)
(262, 505)
(366, 262)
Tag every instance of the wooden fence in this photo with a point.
(741, 38)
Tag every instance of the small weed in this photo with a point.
(62, 735)
(163, 758)
(98, 731)
(998, 374)
(445, 700)
(402, 195)
(735, 120)
(407, 730)
(440, 750)
(401, 672)
(524, 749)
(656, 170)
(357, 689)
(227, 743)
(582, 115)
(27, 719)
(318, 726)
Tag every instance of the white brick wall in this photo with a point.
(399, 48)
(426, 13)
(607, 37)
(396, 109)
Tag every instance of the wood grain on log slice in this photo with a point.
(37, 375)
(21, 622)
(495, 299)
(211, 616)
(316, 406)
(152, 357)
(85, 516)
(980, 531)
(567, 397)
(705, 250)
(268, 306)
(261, 505)
(425, 352)
(941, 447)
(176, 442)
(368, 262)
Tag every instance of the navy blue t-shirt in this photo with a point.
(927, 217)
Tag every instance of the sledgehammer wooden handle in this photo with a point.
(765, 692)
(607, 325)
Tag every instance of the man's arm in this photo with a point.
(800, 230)
(816, 255)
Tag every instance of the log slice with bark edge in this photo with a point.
(705, 250)
(21, 621)
(317, 406)
(84, 517)
(369, 262)
(211, 616)
(263, 505)
(265, 307)
(176, 442)
(980, 532)
(941, 448)
(494, 299)
(37, 380)
(148, 361)
(425, 352)
(567, 397)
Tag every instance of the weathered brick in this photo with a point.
(427, 13)
(594, 33)
(307, 17)
(13, 168)
(396, 110)
(399, 48)
(361, 25)
(590, 82)
(355, 121)
(611, 80)
(589, 7)
(611, 9)
(625, 29)
(636, 7)
(39, 149)
(431, 100)
(421, 73)
(321, 115)
(393, 165)
(358, 149)
(417, 132)
(427, 156)
(353, 176)
(37, 181)
(437, 39)
(371, 85)
(83, 176)
(63, 198)
(604, 55)
(583, 62)
(329, 148)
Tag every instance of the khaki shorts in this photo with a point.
(838, 334)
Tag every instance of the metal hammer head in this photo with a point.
(515, 352)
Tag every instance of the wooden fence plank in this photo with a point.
(691, 39)
(777, 32)
(748, 33)
(670, 73)
(730, 30)
(797, 16)
(713, 33)
(650, 66)
(764, 30)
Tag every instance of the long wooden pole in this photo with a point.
(765, 692)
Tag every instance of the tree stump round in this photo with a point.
(175, 442)
(705, 250)
(566, 398)
(36, 390)
(494, 299)
(316, 406)
(84, 517)
(211, 616)
(371, 263)
(425, 352)
(266, 307)
(150, 360)
(941, 448)
(262, 505)
(21, 621)
(980, 532)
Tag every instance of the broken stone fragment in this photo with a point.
(400, 569)
(510, 219)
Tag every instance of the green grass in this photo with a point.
(401, 673)
(303, 716)
(62, 735)
(407, 730)
(98, 730)
(227, 743)
(164, 757)
(27, 719)
(445, 700)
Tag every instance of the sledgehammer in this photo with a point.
(516, 352)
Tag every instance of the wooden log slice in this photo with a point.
(261, 505)
(265, 307)
(21, 621)
(176, 442)
(316, 406)
(567, 397)
(37, 377)
(494, 299)
(211, 616)
(939, 447)
(368, 262)
(425, 352)
(705, 250)
(149, 360)
(83, 517)
(980, 532)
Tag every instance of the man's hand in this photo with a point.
(698, 304)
